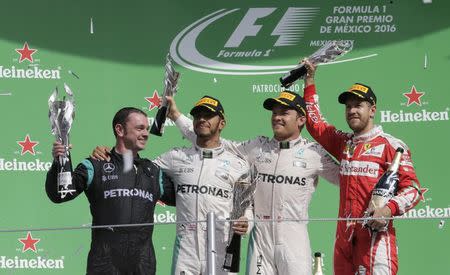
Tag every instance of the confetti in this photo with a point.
(92, 26)
(441, 224)
(215, 80)
(425, 65)
(68, 90)
(6, 94)
(72, 73)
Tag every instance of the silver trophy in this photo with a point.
(328, 52)
(61, 114)
(243, 192)
(170, 89)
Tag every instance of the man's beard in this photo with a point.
(212, 132)
(358, 127)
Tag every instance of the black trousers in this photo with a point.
(121, 253)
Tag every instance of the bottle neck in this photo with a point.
(395, 162)
(318, 266)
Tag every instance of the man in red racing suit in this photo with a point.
(364, 156)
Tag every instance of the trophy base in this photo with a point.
(64, 180)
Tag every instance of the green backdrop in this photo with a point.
(233, 50)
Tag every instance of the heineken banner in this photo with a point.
(112, 54)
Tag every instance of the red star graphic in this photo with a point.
(29, 243)
(27, 145)
(155, 100)
(26, 53)
(422, 192)
(413, 96)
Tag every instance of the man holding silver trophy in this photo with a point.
(206, 177)
(365, 155)
(122, 190)
(288, 167)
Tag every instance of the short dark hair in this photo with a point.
(121, 117)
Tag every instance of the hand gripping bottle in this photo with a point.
(386, 187)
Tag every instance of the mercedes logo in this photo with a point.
(108, 167)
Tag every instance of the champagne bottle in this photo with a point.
(233, 255)
(386, 186)
(317, 270)
(64, 178)
(159, 122)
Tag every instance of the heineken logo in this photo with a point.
(155, 100)
(26, 53)
(29, 244)
(428, 212)
(419, 116)
(30, 73)
(28, 66)
(34, 263)
(27, 146)
(15, 165)
(414, 98)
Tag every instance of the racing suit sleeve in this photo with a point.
(329, 168)
(81, 178)
(325, 134)
(408, 190)
(184, 124)
(165, 162)
(239, 148)
(167, 185)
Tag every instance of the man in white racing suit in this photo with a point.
(204, 177)
(288, 166)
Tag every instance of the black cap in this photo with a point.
(289, 99)
(209, 103)
(360, 90)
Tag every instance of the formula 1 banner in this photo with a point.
(112, 55)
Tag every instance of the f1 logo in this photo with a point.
(289, 28)
(247, 26)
